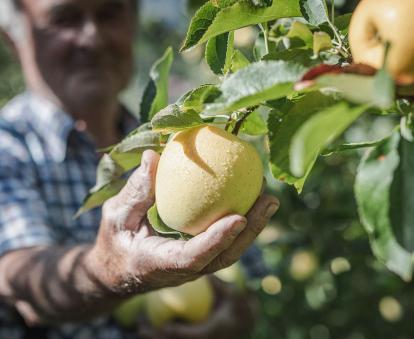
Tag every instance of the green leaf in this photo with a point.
(173, 119)
(384, 89)
(297, 55)
(318, 132)
(314, 11)
(219, 52)
(156, 93)
(160, 227)
(373, 194)
(107, 171)
(352, 146)
(254, 125)
(195, 99)
(342, 22)
(210, 21)
(283, 123)
(128, 152)
(261, 3)
(301, 31)
(359, 89)
(97, 197)
(402, 197)
(238, 61)
(252, 85)
(321, 42)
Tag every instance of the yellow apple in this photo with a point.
(233, 275)
(375, 22)
(204, 174)
(191, 302)
(127, 313)
(303, 265)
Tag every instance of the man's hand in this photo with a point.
(129, 258)
(233, 317)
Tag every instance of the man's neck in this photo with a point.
(101, 122)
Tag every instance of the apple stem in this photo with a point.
(265, 29)
(240, 121)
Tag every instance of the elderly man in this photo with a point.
(76, 57)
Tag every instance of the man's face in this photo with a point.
(83, 50)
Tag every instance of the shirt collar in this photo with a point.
(51, 123)
(55, 125)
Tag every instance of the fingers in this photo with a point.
(138, 195)
(199, 251)
(257, 218)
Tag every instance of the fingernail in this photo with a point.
(271, 210)
(239, 227)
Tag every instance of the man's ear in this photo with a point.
(6, 38)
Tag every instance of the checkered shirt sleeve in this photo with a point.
(23, 212)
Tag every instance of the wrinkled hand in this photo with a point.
(233, 317)
(130, 258)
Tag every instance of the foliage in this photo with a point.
(305, 136)
(299, 128)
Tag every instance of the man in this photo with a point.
(76, 57)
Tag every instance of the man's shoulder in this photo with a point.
(14, 130)
(13, 116)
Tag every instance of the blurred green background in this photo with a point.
(323, 281)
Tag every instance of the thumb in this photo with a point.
(138, 195)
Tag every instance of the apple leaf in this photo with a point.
(402, 199)
(238, 61)
(301, 31)
(254, 125)
(97, 196)
(352, 146)
(283, 123)
(173, 119)
(254, 84)
(219, 52)
(156, 93)
(373, 191)
(314, 11)
(318, 132)
(107, 171)
(195, 99)
(359, 89)
(128, 152)
(160, 227)
(384, 89)
(297, 55)
(321, 42)
(210, 20)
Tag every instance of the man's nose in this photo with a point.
(90, 34)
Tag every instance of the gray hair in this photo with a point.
(11, 19)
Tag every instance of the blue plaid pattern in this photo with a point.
(47, 167)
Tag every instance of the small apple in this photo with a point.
(376, 22)
(233, 275)
(191, 302)
(303, 265)
(204, 174)
(127, 313)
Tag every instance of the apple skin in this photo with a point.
(375, 22)
(127, 313)
(191, 302)
(206, 173)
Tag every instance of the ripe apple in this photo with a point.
(204, 174)
(191, 302)
(127, 313)
(375, 22)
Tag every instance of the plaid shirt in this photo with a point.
(47, 166)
